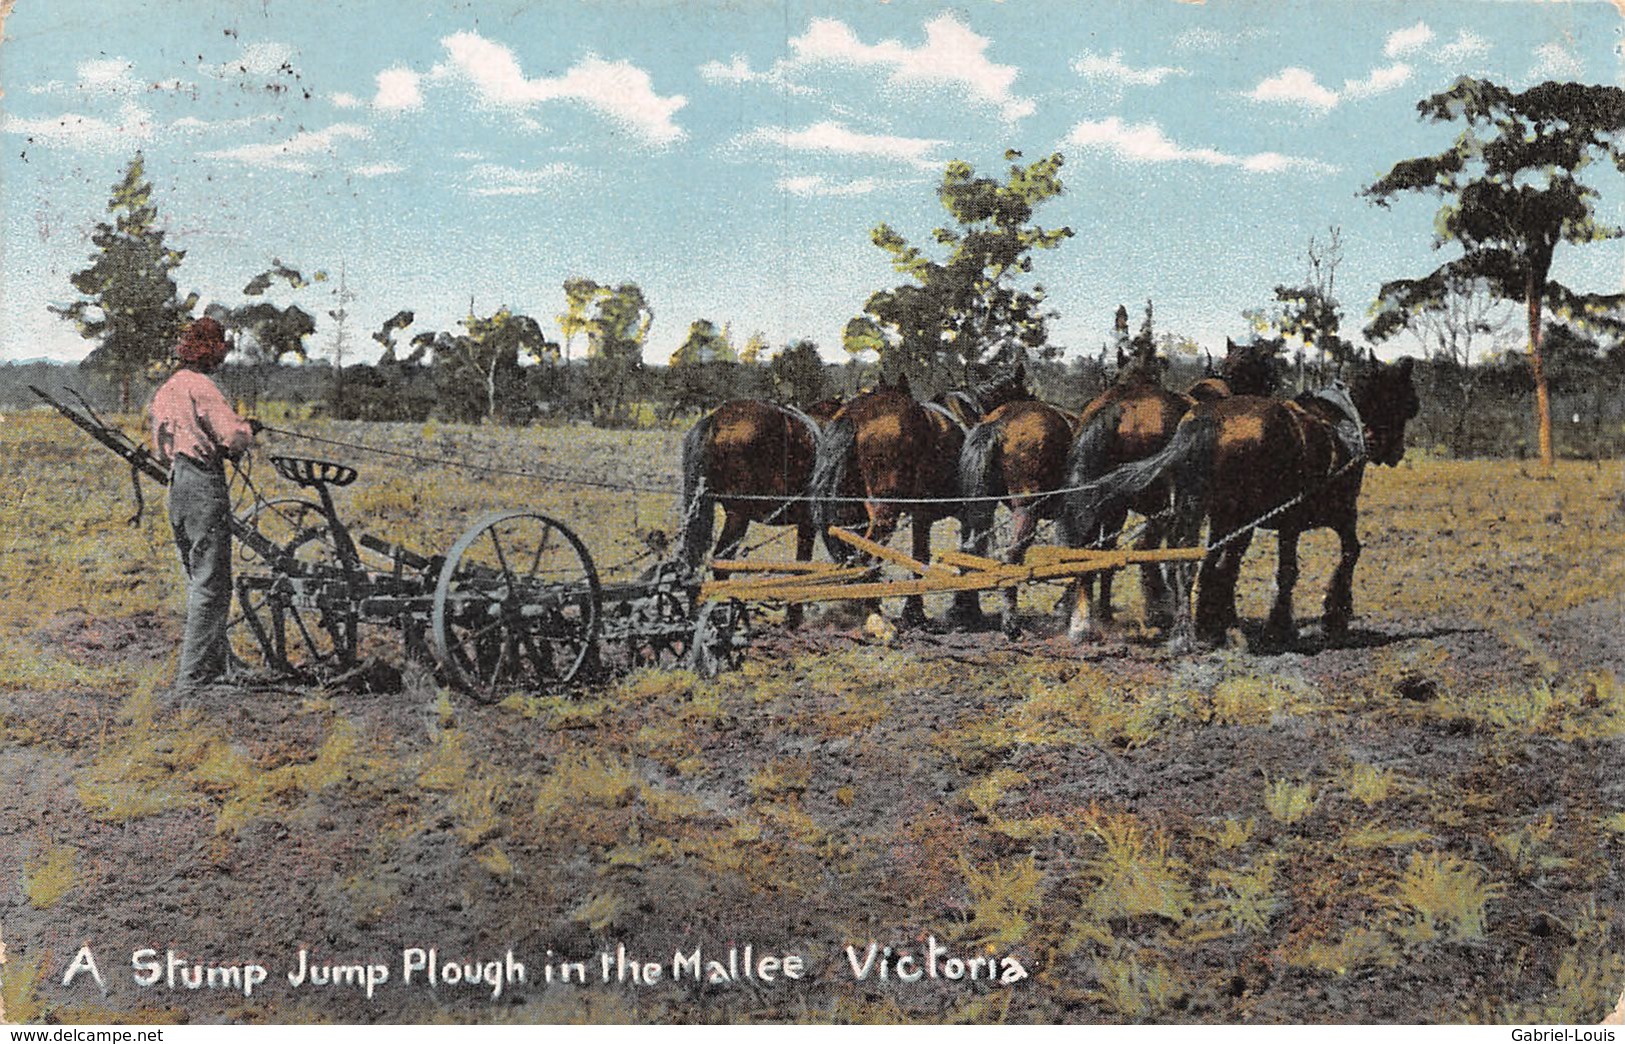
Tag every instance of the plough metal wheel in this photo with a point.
(721, 635)
(269, 631)
(517, 607)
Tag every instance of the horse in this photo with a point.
(1248, 369)
(750, 449)
(1132, 420)
(1018, 453)
(1248, 462)
(899, 455)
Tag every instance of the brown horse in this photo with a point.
(1248, 369)
(1018, 453)
(1132, 420)
(754, 459)
(1246, 463)
(885, 455)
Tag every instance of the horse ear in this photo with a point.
(1404, 366)
(902, 384)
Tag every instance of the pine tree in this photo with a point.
(131, 306)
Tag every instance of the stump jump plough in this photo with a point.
(517, 603)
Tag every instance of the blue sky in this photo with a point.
(731, 156)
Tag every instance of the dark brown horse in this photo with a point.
(886, 454)
(1245, 463)
(754, 459)
(1132, 420)
(1017, 453)
(1248, 369)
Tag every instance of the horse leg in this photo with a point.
(914, 605)
(1025, 525)
(1280, 630)
(1216, 595)
(1340, 595)
(732, 535)
(966, 612)
(805, 536)
(1093, 611)
(882, 524)
(1153, 583)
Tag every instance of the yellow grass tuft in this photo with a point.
(1003, 901)
(1134, 876)
(49, 875)
(1446, 897)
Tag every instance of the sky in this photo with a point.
(732, 156)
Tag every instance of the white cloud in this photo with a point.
(1382, 80)
(192, 123)
(1295, 86)
(295, 153)
(1404, 41)
(1555, 62)
(1146, 143)
(738, 71)
(398, 91)
(257, 59)
(619, 90)
(837, 139)
(952, 56)
(344, 100)
(1113, 70)
(490, 179)
(1465, 46)
(1201, 40)
(818, 185)
(71, 130)
(376, 170)
(104, 78)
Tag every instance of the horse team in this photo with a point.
(1228, 453)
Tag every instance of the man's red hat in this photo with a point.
(202, 341)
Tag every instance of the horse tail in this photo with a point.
(1088, 460)
(981, 479)
(1189, 454)
(836, 446)
(699, 507)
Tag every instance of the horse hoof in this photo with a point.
(914, 620)
(967, 619)
(1010, 626)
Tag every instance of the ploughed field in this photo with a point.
(1426, 823)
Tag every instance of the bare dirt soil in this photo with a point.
(1424, 823)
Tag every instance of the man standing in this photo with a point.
(196, 431)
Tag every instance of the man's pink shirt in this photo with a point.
(191, 417)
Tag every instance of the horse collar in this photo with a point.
(804, 418)
(936, 407)
(1350, 428)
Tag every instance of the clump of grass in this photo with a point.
(1134, 875)
(1136, 991)
(1446, 896)
(1288, 802)
(1248, 699)
(782, 776)
(1002, 900)
(1368, 784)
(1358, 948)
(1526, 848)
(985, 794)
(585, 781)
(49, 875)
(1244, 900)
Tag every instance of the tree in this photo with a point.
(131, 305)
(267, 334)
(797, 374)
(969, 308)
(1511, 193)
(615, 336)
(339, 347)
(1309, 311)
(477, 372)
(1451, 317)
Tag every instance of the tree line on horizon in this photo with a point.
(1510, 190)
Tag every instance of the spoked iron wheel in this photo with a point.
(517, 607)
(289, 621)
(721, 636)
